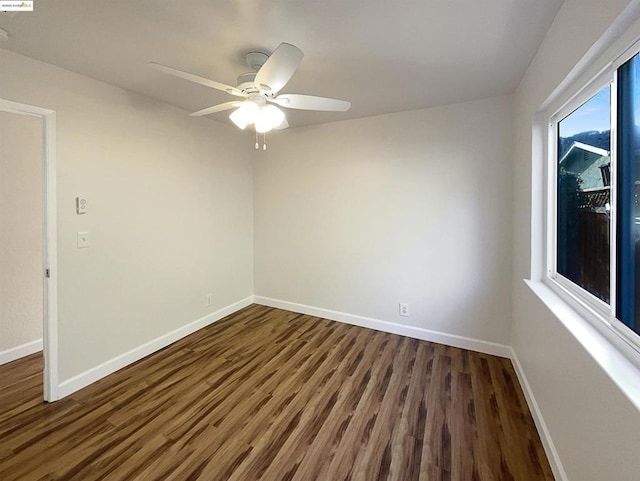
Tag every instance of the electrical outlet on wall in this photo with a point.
(81, 204)
(404, 309)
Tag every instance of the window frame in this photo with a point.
(592, 308)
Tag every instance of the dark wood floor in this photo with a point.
(272, 395)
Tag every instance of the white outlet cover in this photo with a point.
(81, 204)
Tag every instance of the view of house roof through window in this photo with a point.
(584, 195)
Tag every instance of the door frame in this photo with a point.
(49, 238)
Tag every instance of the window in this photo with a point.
(594, 249)
(583, 198)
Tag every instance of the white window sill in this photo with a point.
(615, 357)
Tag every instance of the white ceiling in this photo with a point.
(382, 55)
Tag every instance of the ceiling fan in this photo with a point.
(259, 90)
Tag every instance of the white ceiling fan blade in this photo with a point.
(279, 67)
(216, 108)
(310, 102)
(199, 80)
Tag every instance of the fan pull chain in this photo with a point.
(264, 141)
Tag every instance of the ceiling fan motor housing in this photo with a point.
(255, 60)
(245, 82)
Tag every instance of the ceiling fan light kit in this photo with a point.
(260, 89)
(256, 111)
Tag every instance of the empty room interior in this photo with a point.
(338, 240)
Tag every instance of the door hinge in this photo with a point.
(47, 273)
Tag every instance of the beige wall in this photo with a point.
(170, 212)
(357, 216)
(594, 427)
(20, 230)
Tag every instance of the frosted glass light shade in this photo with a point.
(262, 125)
(273, 114)
(246, 114)
(269, 118)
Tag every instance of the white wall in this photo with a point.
(594, 427)
(357, 216)
(20, 230)
(170, 212)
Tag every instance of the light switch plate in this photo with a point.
(83, 240)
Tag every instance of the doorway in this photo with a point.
(44, 122)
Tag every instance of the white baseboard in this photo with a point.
(94, 374)
(543, 431)
(454, 340)
(22, 350)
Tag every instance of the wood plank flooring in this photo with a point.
(277, 396)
